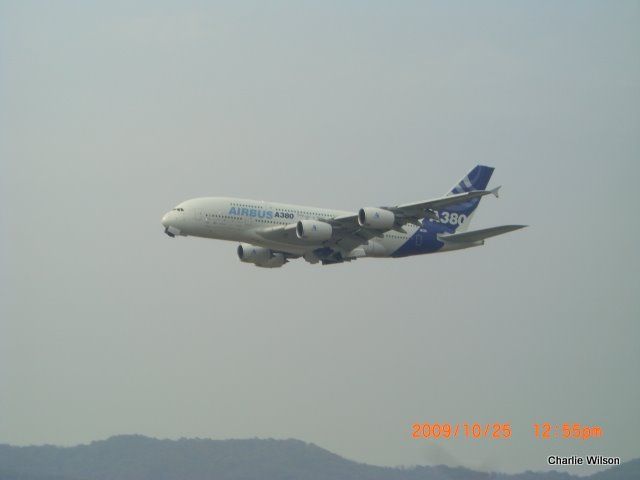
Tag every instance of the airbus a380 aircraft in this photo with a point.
(273, 233)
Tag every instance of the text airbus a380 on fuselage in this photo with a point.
(271, 234)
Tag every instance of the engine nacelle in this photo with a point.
(376, 218)
(260, 256)
(313, 231)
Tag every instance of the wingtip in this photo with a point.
(496, 191)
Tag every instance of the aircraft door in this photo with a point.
(418, 239)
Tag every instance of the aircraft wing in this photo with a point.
(413, 212)
(350, 234)
(478, 235)
(347, 233)
(348, 238)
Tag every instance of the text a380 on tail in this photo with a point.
(271, 234)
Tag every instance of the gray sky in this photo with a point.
(112, 114)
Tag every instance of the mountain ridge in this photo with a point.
(133, 457)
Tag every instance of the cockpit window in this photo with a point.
(179, 209)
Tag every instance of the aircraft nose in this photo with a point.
(169, 223)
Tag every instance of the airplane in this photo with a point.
(272, 234)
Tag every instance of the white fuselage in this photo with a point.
(239, 220)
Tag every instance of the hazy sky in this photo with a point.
(111, 114)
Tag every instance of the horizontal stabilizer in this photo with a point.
(478, 235)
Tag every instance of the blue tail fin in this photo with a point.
(458, 217)
(476, 179)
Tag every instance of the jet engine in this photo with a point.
(313, 231)
(260, 256)
(376, 218)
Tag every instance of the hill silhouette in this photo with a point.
(135, 457)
